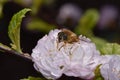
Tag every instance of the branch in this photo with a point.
(13, 52)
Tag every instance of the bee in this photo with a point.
(67, 36)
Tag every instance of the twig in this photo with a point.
(13, 52)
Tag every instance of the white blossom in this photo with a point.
(48, 59)
(110, 70)
(84, 59)
(53, 58)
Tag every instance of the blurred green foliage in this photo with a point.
(24, 3)
(33, 78)
(87, 22)
(110, 49)
(38, 24)
(99, 42)
(98, 76)
(2, 2)
(36, 5)
(85, 27)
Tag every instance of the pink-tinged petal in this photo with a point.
(110, 70)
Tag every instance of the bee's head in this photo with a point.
(62, 36)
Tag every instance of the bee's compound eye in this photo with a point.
(62, 36)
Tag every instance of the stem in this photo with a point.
(13, 52)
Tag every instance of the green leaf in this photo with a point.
(33, 78)
(87, 22)
(14, 29)
(105, 47)
(37, 24)
(110, 49)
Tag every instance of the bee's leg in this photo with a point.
(61, 46)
